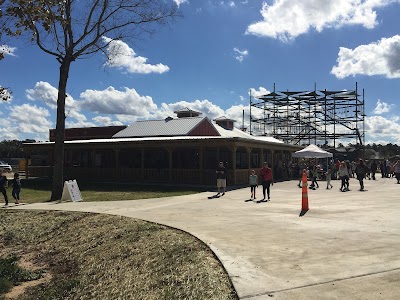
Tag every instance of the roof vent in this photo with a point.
(187, 112)
(167, 119)
(225, 122)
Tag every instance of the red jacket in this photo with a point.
(266, 174)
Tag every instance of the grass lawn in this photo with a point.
(66, 255)
(34, 191)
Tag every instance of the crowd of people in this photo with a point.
(334, 170)
(344, 170)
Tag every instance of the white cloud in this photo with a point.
(240, 54)
(27, 119)
(231, 4)
(260, 92)
(206, 107)
(379, 127)
(236, 113)
(380, 58)
(382, 107)
(106, 121)
(179, 2)
(287, 19)
(112, 101)
(7, 50)
(121, 56)
(48, 94)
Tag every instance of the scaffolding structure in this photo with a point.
(321, 117)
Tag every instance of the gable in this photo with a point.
(204, 128)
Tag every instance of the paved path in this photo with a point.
(345, 247)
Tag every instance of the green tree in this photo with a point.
(72, 29)
(11, 149)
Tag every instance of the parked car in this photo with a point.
(5, 167)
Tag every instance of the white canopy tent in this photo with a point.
(312, 151)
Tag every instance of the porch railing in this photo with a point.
(175, 176)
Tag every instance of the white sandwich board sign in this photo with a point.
(71, 191)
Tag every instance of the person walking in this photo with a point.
(397, 171)
(328, 175)
(221, 179)
(302, 166)
(382, 166)
(3, 186)
(373, 169)
(343, 173)
(16, 185)
(266, 179)
(253, 182)
(360, 172)
(314, 176)
(387, 170)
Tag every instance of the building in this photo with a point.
(181, 150)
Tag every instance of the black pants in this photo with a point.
(15, 193)
(266, 186)
(3, 191)
(361, 180)
(314, 182)
(345, 182)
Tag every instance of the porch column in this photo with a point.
(142, 164)
(93, 158)
(27, 154)
(272, 163)
(248, 149)
(201, 165)
(261, 161)
(170, 151)
(116, 152)
(201, 158)
(234, 164)
(50, 153)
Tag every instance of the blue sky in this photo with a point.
(210, 59)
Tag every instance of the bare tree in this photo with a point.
(73, 29)
(4, 92)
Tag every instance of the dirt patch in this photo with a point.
(92, 256)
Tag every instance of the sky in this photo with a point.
(210, 60)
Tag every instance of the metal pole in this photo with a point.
(250, 111)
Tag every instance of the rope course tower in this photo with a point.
(304, 117)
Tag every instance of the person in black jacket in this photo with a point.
(361, 170)
(3, 186)
(374, 167)
(16, 184)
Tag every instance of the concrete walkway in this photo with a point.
(345, 247)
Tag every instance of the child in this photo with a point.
(253, 180)
(3, 186)
(328, 179)
(16, 184)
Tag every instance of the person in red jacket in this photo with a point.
(266, 180)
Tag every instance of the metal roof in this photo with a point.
(167, 127)
(223, 118)
(171, 138)
(171, 130)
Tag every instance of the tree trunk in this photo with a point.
(58, 168)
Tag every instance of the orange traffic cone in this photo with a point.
(304, 192)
